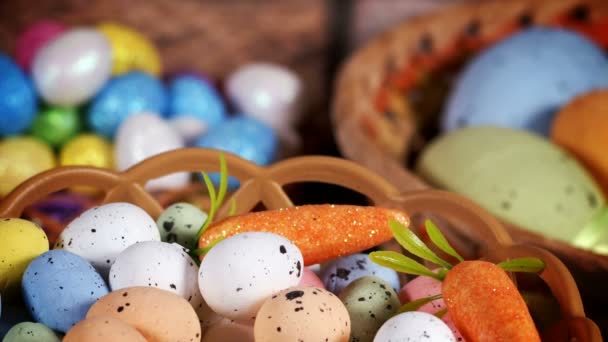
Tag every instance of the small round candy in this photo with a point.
(246, 137)
(30, 332)
(180, 223)
(191, 96)
(87, 150)
(130, 50)
(123, 96)
(18, 104)
(20, 159)
(33, 38)
(56, 125)
(73, 67)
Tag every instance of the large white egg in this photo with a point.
(142, 136)
(241, 272)
(414, 326)
(157, 264)
(101, 233)
(73, 67)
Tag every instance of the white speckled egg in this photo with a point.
(157, 264)
(180, 223)
(414, 326)
(101, 233)
(73, 67)
(302, 314)
(341, 272)
(240, 272)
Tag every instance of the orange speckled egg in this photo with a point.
(229, 330)
(157, 314)
(580, 127)
(102, 329)
(302, 314)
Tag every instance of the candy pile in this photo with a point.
(78, 90)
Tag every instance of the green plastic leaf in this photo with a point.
(223, 181)
(408, 240)
(206, 249)
(529, 265)
(439, 314)
(417, 304)
(440, 241)
(401, 263)
(213, 199)
(232, 210)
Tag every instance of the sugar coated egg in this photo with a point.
(18, 104)
(240, 272)
(131, 50)
(87, 150)
(33, 38)
(70, 69)
(56, 125)
(20, 159)
(192, 96)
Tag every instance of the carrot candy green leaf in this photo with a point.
(216, 198)
(401, 263)
(529, 265)
(440, 241)
(408, 240)
(417, 304)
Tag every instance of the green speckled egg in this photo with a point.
(370, 301)
(519, 177)
(30, 332)
(180, 223)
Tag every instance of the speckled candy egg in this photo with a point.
(180, 223)
(144, 135)
(191, 96)
(370, 302)
(302, 314)
(229, 330)
(30, 332)
(101, 233)
(123, 96)
(20, 159)
(103, 329)
(34, 37)
(70, 69)
(18, 105)
(414, 327)
(341, 272)
(59, 287)
(130, 50)
(158, 315)
(20, 242)
(246, 137)
(158, 264)
(522, 81)
(240, 272)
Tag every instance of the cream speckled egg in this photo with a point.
(302, 314)
(103, 329)
(158, 315)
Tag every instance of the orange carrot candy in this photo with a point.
(321, 232)
(483, 302)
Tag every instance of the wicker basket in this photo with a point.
(266, 186)
(376, 126)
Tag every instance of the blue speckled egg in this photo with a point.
(123, 96)
(522, 81)
(192, 96)
(18, 105)
(59, 287)
(341, 272)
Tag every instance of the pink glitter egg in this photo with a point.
(33, 38)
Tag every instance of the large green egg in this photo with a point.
(521, 178)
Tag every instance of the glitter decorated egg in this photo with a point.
(130, 50)
(124, 96)
(70, 69)
(18, 103)
(33, 38)
(87, 150)
(20, 159)
(191, 96)
(522, 81)
(56, 125)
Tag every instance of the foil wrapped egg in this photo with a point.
(130, 50)
(56, 125)
(87, 150)
(20, 159)
(33, 38)
(18, 103)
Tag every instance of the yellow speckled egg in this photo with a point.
(88, 150)
(20, 242)
(157, 314)
(130, 50)
(103, 329)
(20, 159)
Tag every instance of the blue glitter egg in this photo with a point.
(128, 94)
(18, 105)
(192, 96)
(522, 81)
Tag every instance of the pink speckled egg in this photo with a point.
(310, 278)
(423, 287)
(33, 38)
